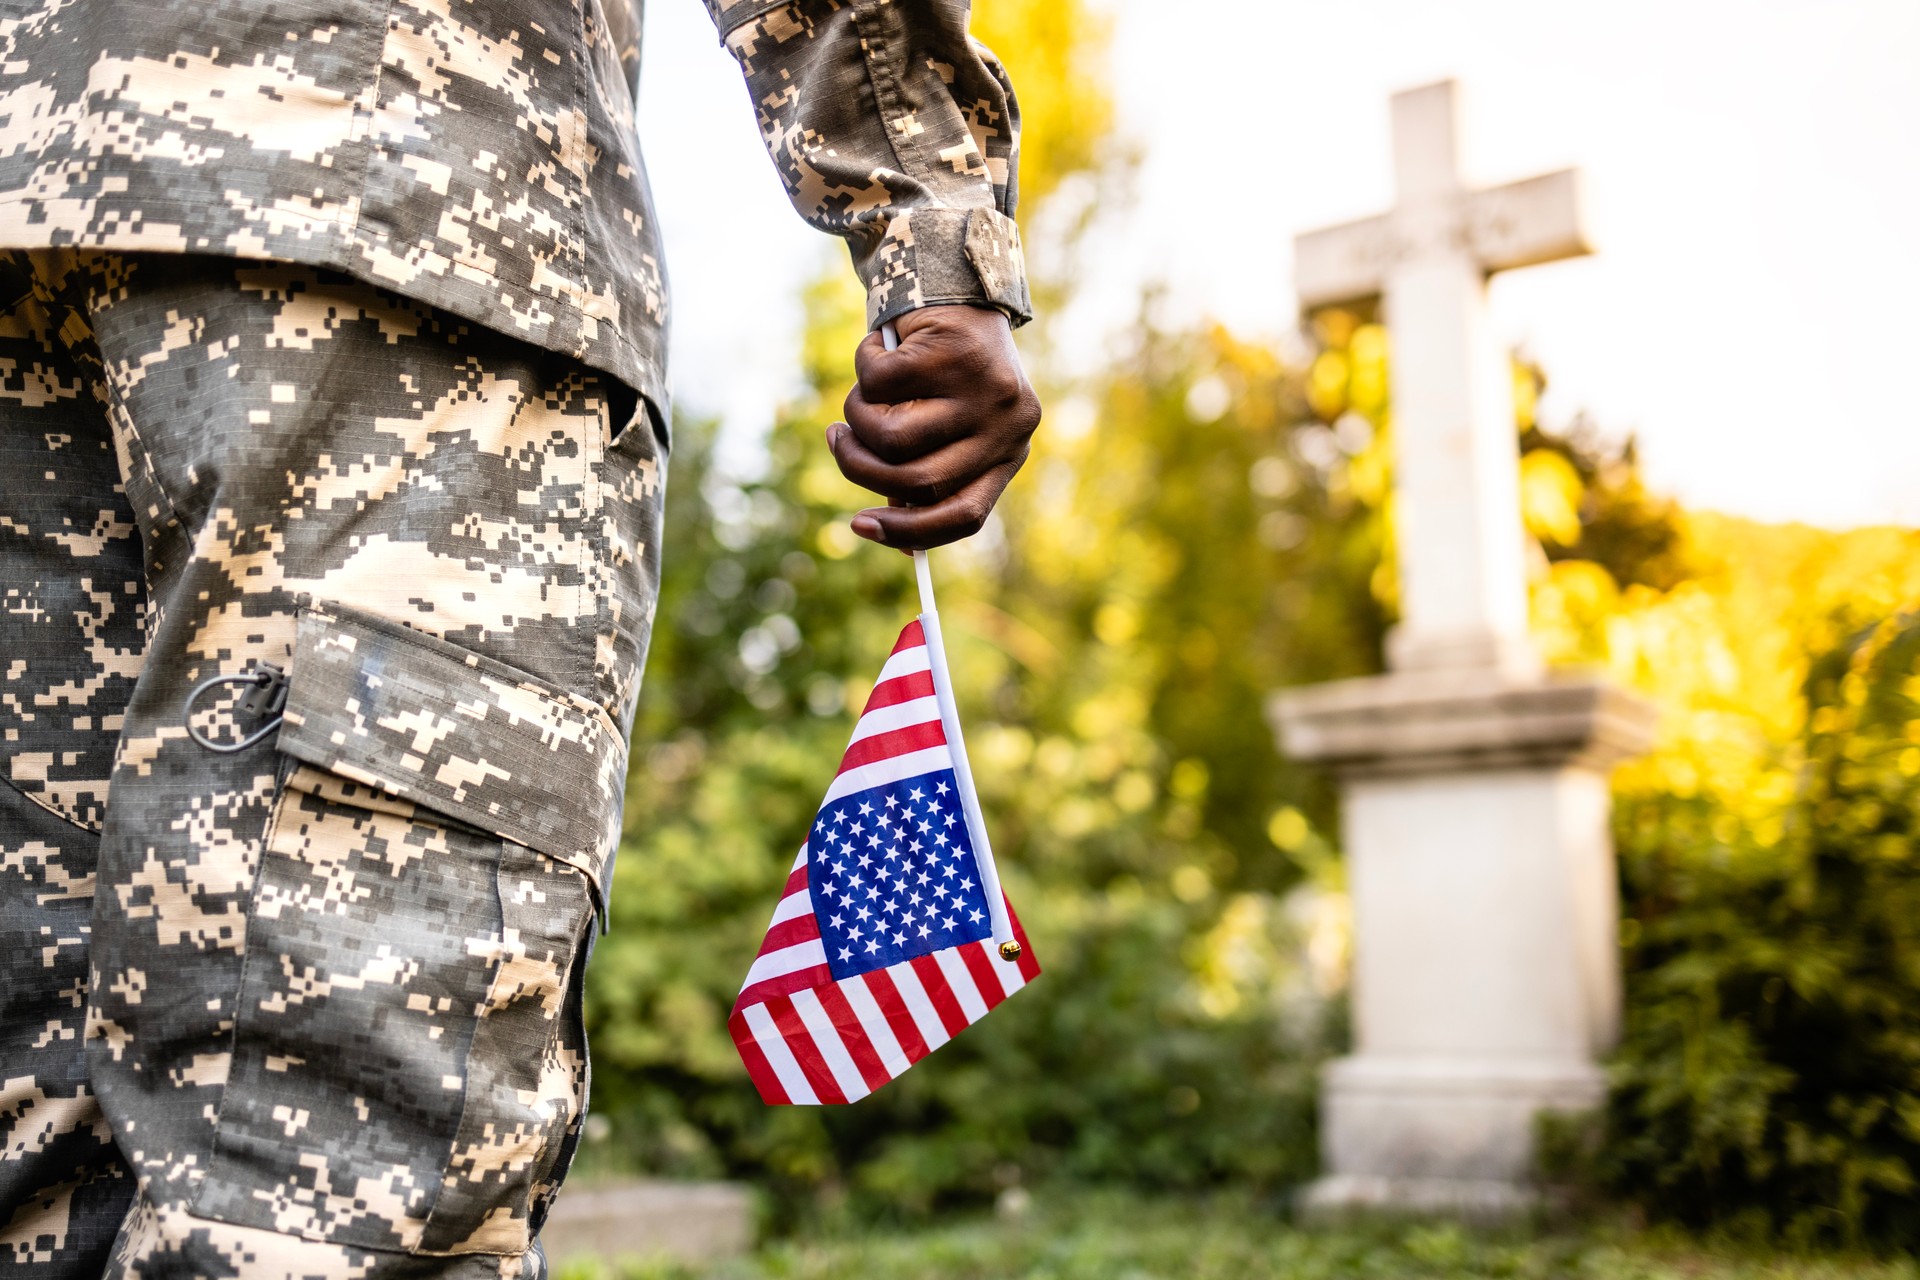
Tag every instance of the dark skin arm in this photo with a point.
(937, 427)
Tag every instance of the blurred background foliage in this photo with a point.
(1203, 522)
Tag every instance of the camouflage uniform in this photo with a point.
(331, 344)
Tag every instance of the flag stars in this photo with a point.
(891, 875)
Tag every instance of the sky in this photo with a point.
(1752, 181)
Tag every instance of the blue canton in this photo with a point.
(892, 875)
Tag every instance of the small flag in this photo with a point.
(893, 935)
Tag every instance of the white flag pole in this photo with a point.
(1003, 938)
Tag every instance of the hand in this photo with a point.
(937, 426)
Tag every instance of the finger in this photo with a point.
(949, 520)
(902, 432)
(925, 480)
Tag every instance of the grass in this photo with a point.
(1127, 1238)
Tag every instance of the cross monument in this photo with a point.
(1473, 782)
(1463, 575)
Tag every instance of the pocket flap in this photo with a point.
(464, 735)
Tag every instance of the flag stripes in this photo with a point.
(807, 1038)
(839, 1041)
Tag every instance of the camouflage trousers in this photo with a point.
(308, 1007)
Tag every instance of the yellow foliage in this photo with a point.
(1367, 385)
(1725, 653)
(1550, 493)
(1055, 52)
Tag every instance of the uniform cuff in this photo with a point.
(933, 256)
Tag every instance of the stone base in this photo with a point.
(1452, 721)
(1440, 1136)
(688, 1221)
(1486, 973)
(1341, 1196)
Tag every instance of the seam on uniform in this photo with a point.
(886, 93)
(31, 798)
(284, 776)
(727, 26)
(116, 401)
(351, 233)
(576, 135)
(466, 1071)
(596, 447)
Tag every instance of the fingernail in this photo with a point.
(833, 433)
(869, 528)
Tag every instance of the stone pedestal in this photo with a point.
(643, 1218)
(1486, 982)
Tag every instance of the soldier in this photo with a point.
(334, 421)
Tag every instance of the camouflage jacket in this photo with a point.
(480, 155)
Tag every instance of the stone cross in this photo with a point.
(1473, 783)
(1463, 600)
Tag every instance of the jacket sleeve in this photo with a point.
(897, 131)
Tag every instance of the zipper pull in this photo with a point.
(266, 696)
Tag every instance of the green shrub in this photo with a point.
(1770, 1073)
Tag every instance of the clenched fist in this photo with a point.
(937, 426)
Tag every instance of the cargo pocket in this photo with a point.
(409, 1070)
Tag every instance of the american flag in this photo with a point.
(892, 935)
